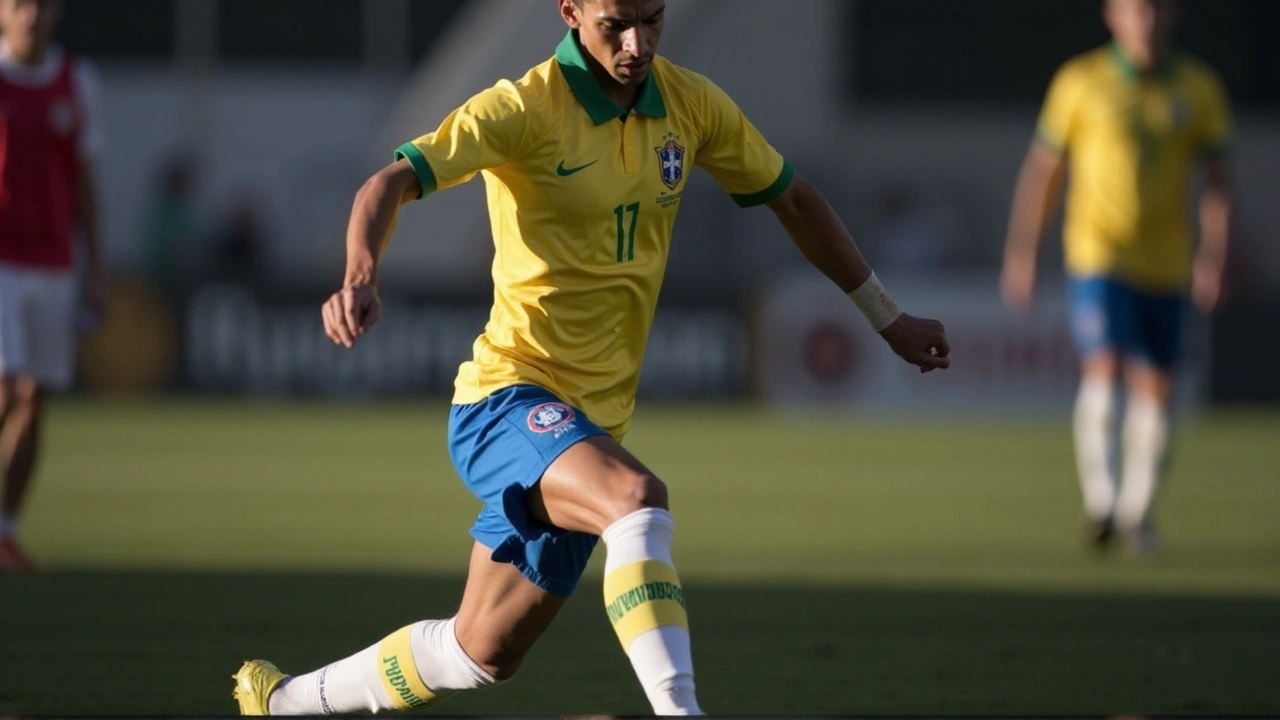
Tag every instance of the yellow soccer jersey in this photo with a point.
(582, 200)
(1132, 143)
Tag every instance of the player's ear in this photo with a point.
(571, 12)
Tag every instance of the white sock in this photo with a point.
(356, 683)
(639, 545)
(1094, 426)
(1146, 444)
(8, 527)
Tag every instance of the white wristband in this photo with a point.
(875, 303)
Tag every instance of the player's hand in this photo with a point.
(919, 341)
(350, 312)
(1018, 285)
(1206, 286)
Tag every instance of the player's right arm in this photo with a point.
(486, 132)
(1034, 200)
(1038, 188)
(355, 308)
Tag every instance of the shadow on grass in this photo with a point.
(105, 643)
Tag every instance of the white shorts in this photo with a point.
(38, 324)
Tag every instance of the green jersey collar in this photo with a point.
(587, 89)
(1131, 72)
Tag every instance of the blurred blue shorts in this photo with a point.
(501, 446)
(1107, 314)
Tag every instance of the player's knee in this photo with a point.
(21, 400)
(639, 490)
(1101, 367)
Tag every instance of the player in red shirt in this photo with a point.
(49, 134)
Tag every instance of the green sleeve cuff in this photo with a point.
(778, 187)
(1049, 141)
(421, 168)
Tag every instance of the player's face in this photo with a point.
(1141, 27)
(622, 35)
(28, 24)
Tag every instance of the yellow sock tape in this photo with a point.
(642, 596)
(399, 672)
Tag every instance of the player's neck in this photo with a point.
(33, 55)
(1146, 61)
(625, 95)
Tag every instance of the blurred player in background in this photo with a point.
(1132, 121)
(585, 161)
(49, 136)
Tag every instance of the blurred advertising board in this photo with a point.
(812, 348)
(225, 339)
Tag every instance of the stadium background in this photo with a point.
(224, 482)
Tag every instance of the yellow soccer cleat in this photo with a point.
(254, 683)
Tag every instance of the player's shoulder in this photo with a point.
(688, 92)
(85, 72)
(1086, 66)
(538, 84)
(509, 99)
(677, 78)
(680, 83)
(1196, 73)
(1195, 67)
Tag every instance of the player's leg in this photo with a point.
(520, 572)
(598, 487)
(21, 406)
(1149, 380)
(501, 617)
(37, 352)
(1096, 323)
(1147, 437)
(13, 361)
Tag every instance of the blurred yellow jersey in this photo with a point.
(582, 200)
(1132, 143)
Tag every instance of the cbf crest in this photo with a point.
(671, 163)
(549, 416)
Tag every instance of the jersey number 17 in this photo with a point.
(627, 237)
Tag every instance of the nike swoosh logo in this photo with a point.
(562, 171)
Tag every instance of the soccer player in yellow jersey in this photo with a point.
(1130, 121)
(585, 161)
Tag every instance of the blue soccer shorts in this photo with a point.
(500, 447)
(1107, 314)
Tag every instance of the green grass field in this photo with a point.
(831, 565)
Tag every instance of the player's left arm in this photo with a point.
(91, 142)
(1215, 231)
(1215, 202)
(754, 173)
(820, 234)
